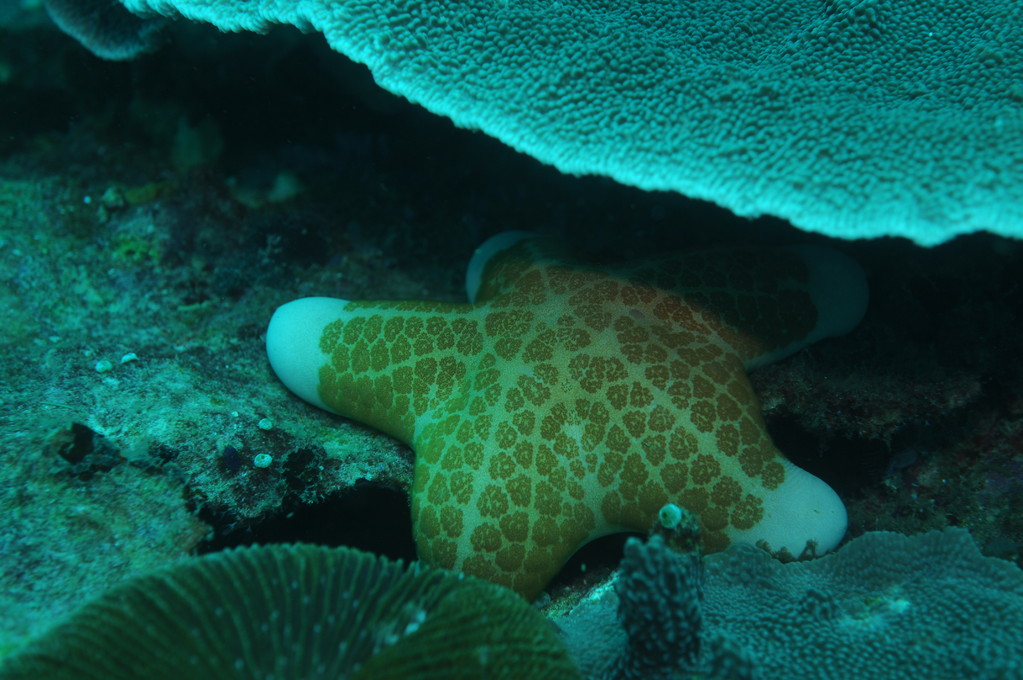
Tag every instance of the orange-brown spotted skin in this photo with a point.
(569, 402)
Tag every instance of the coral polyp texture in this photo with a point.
(567, 401)
(883, 607)
(853, 118)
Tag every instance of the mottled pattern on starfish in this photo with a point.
(571, 401)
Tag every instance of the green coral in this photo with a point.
(298, 611)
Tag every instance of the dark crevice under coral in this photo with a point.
(373, 519)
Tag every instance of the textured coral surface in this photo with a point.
(851, 118)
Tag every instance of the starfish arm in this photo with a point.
(476, 509)
(764, 303)
(384, 363)
(516, 267)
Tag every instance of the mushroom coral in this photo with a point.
(298, 612)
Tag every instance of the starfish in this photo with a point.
(569, 401)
